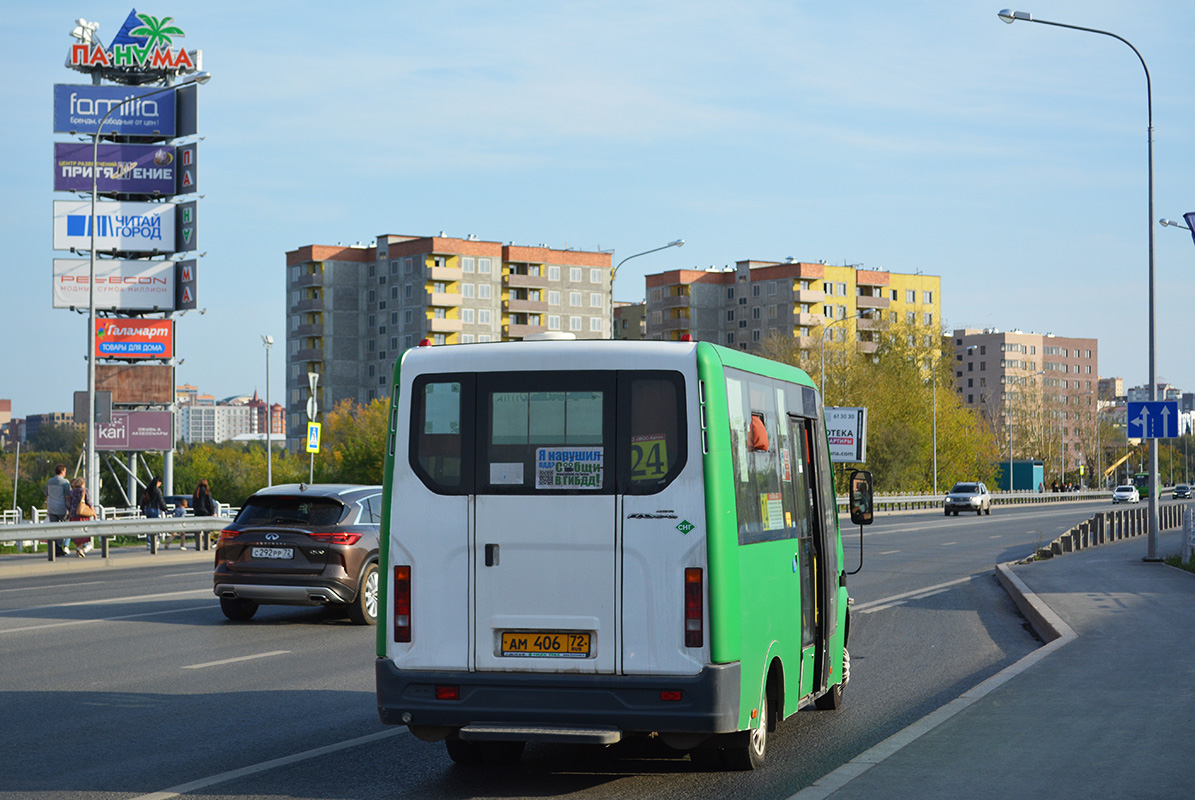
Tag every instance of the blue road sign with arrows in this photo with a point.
(1153, 420)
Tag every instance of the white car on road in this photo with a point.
(1125, 494)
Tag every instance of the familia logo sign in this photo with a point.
(144, 43)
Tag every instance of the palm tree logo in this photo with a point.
(157, 31)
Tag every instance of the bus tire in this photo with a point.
(501, 754)
(364, 610)
(748, 749)
(238, 609)
(831, 700)
(462, 752)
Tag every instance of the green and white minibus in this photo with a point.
(590, 540)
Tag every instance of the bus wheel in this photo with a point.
(237, 608)
(750, 747)
(501, 754)
(462, 752)
(832, 699)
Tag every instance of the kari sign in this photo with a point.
(119, 285)
(136, 430)
(846, 429)
(134, 338)
(123, 227)
(121, 168)
(129, 111)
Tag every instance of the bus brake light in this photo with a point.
(694, 634)
(402, 604)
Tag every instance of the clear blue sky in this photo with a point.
(915, 136)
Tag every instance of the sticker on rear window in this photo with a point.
(568, 468)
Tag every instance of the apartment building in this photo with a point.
(741, 306)
(352, 311)
(1009, 376)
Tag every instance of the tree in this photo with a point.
(58, 437)
(354, 438)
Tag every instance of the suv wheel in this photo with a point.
(364, 610)
(238, 609)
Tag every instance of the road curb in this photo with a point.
(1047, 624)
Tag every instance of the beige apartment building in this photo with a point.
(1040, 388)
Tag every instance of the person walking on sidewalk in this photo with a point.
(58, 494)
(80, 509)
(202, 504)
(152, 502)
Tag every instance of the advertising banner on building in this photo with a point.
(119, 226)
(846, 429)
(136, 430)
(81, 108)
(120, 285)
(122, 168)
(134, 338)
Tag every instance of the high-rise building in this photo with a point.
(1043, 382)
(741, 306)
(352, 311)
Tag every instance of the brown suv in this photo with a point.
(302, 545)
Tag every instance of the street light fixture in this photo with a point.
(93, 462)
(614, 272)
(268, 341)
(826, 330)
(1012, 16)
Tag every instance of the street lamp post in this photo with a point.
(1190, 226)
(1012, 16)
(826, 330)
(93, 462)
(614, 272)
(268, 341)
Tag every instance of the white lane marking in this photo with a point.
(54, 586)
(110, 600)
(101, 619)
(889, 552)
(244, 772)
(916, 594)
(236, 660)
(947, 544)
(206, 572)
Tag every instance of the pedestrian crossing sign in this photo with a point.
(313, 437)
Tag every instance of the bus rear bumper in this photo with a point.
(706, 703)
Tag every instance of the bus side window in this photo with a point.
(657, 448)
(437, 440)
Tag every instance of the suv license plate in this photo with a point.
(272, 552)
(545, 644)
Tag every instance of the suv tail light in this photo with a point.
(402, 604)
(227, 534)
(694, 633)
(337, 538)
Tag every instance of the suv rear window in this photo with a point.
(281, 510)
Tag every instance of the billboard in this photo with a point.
(136, 430)
(846, 429)
(80, 108)
(188, 166)
(185, 237)
(120, 285)
(136, 384)
(119, 226)
(134, 338)
(184, 282)
(121, 168)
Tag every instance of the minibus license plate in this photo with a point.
(272, 552)
(545, 644)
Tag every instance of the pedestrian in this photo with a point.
(80, 509)
(180, 510)
(152, 502)
(202, 504)
(58, 494)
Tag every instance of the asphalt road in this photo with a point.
(129, 683)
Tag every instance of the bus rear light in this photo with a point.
(694, 633)
(448, 693)
(671, 695)
(402, 604)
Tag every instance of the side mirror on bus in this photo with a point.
(860, 497)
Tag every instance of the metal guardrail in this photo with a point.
(106, 529)
(911, 502)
